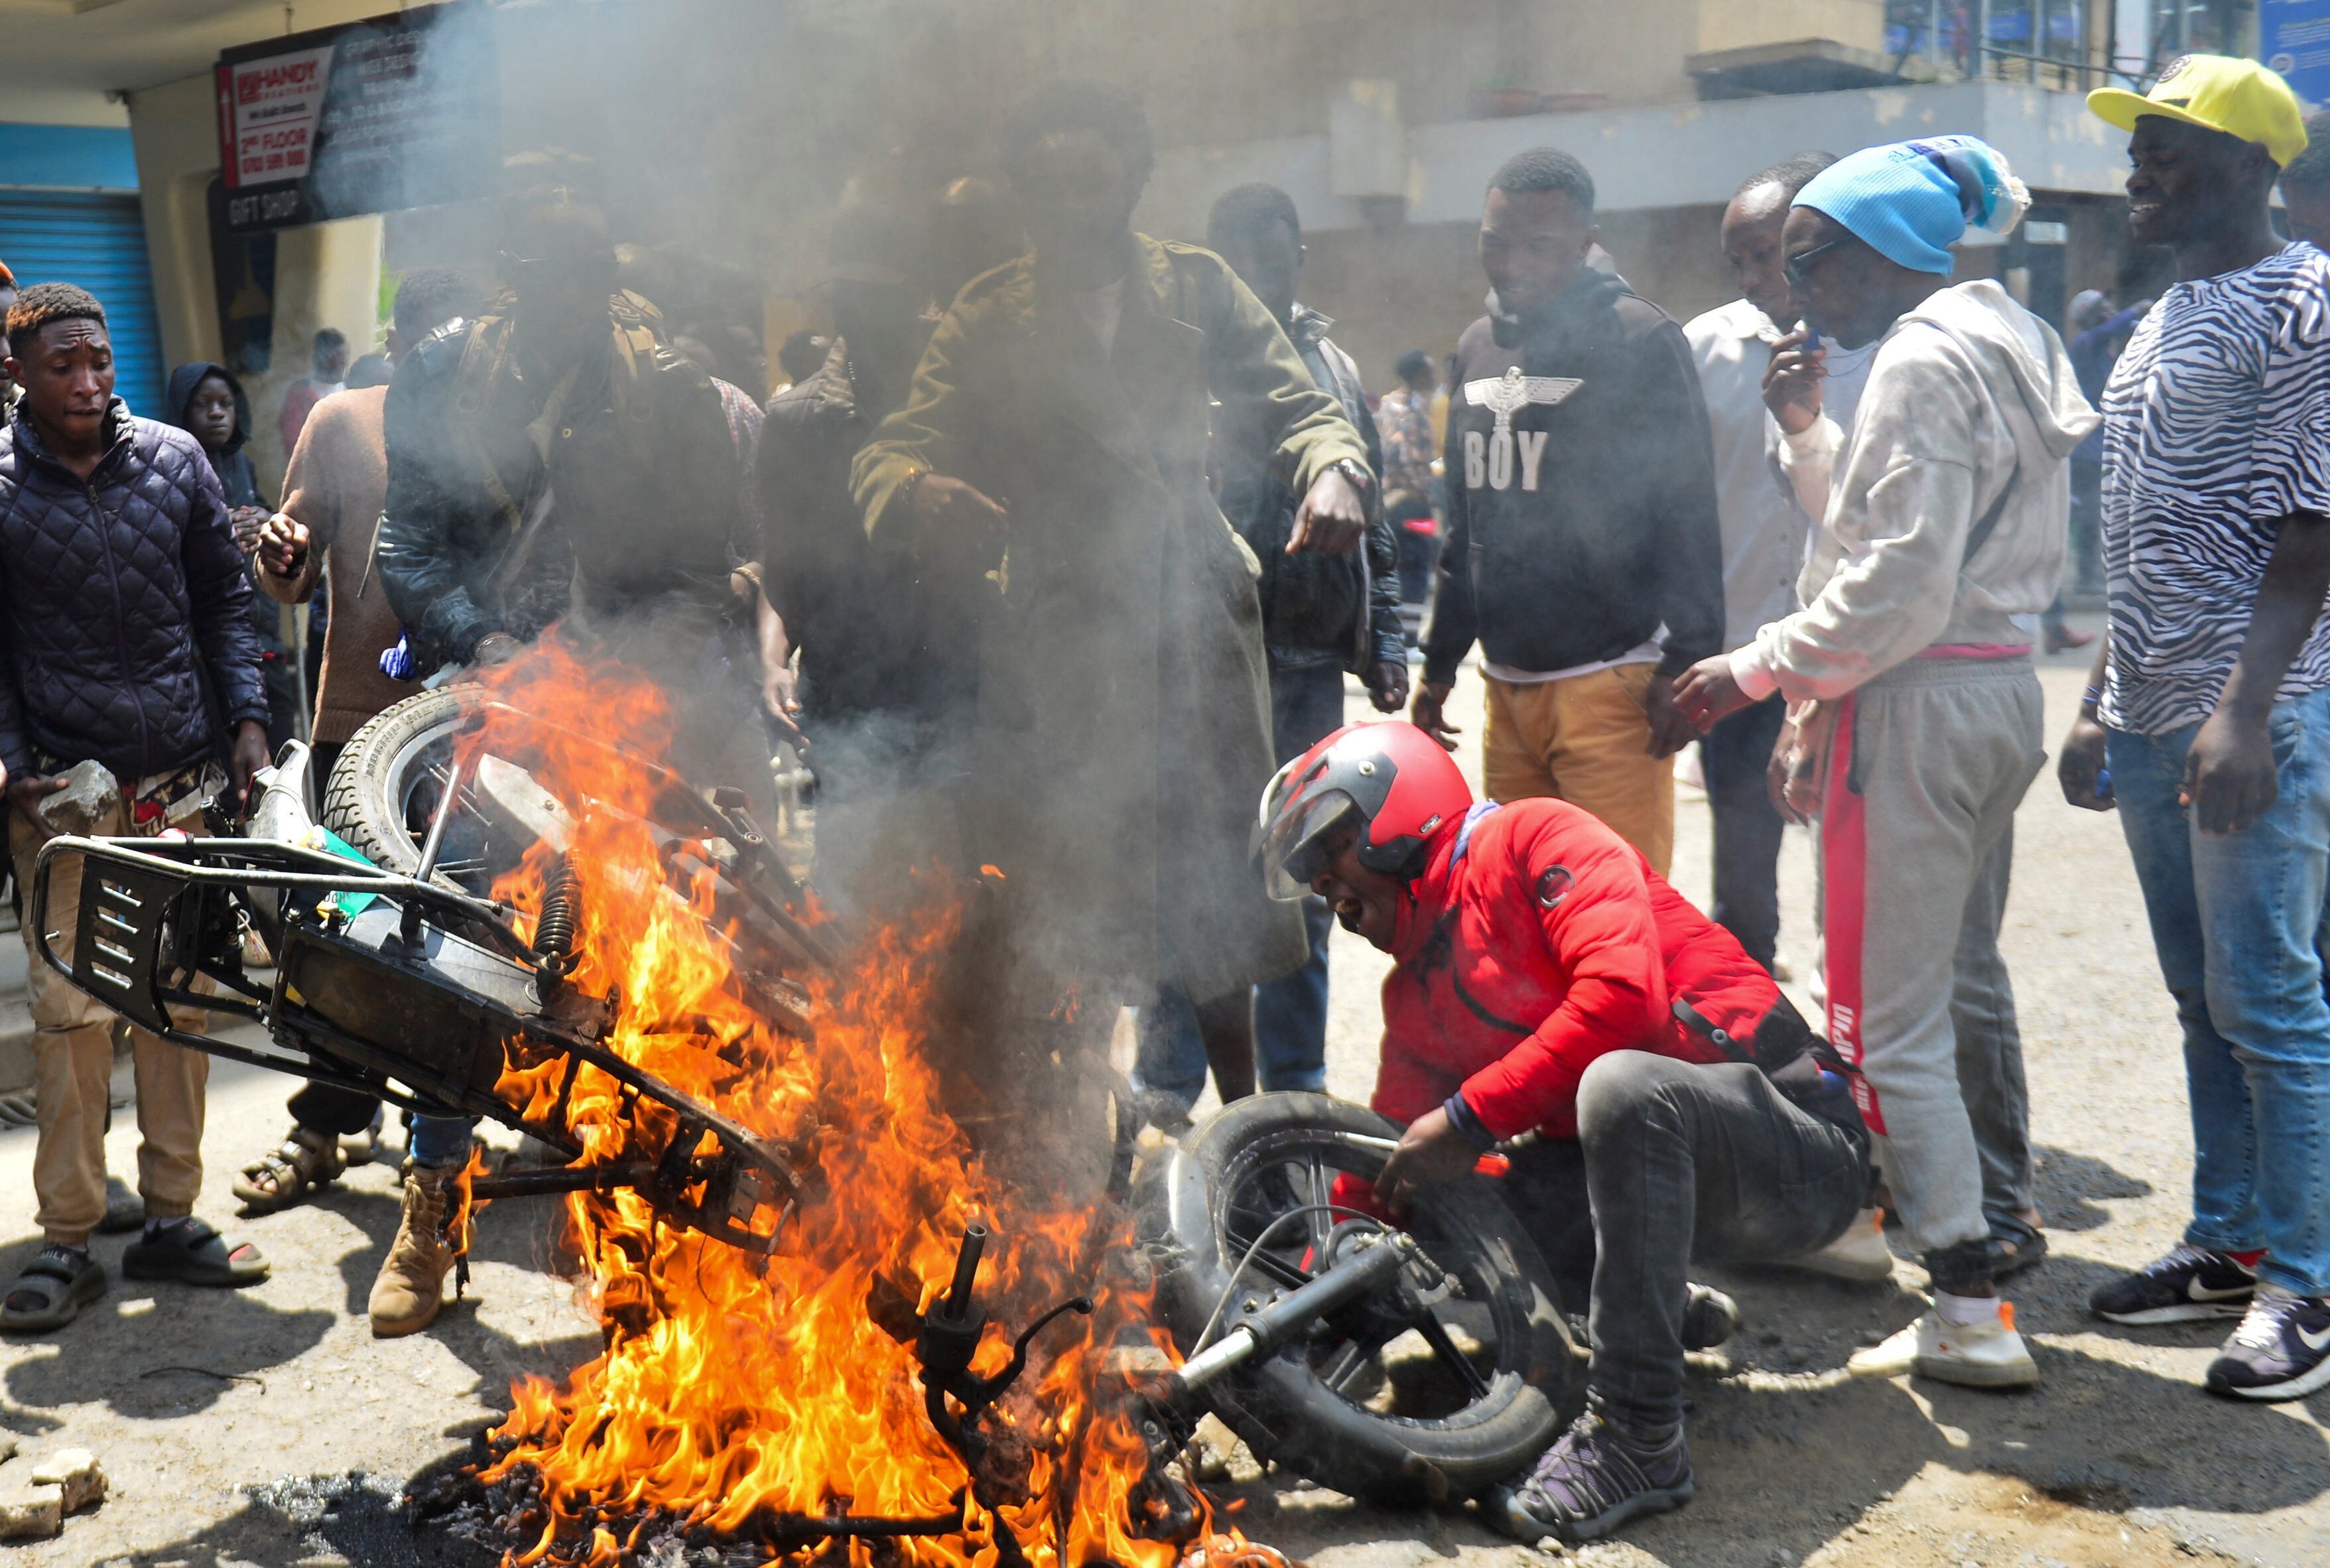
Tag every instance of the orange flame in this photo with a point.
(733, 1386)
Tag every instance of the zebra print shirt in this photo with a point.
(2216, 425)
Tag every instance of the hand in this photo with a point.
(2082, 765)
(1430, 1150)
(248, 757)
(1708, 693)
(283, 542)
(26, 794)
(1387, 685)
(1792, 383)
(942, 504)
(2229, 777)
(1780, 774)
(781, 698)
(1670, 730)
(495, 648)
(1331, 519)
(1425, 713)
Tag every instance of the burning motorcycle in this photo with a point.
(1423, 1358)
(397, 974)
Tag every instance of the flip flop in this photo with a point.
(52, 1290)
(191, 1253)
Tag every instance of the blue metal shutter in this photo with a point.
(97, 241)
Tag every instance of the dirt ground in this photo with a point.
(196, 1401)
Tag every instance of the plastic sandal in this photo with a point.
(125, 1211)
(191, 1253)
(303, 1163)
(52, 1290)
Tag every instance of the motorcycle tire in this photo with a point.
(1189, 1205)
(368, 799)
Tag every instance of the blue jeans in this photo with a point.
(2238, 923)
(439, 1141)
(1289, 1012)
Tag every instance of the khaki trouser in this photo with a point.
(72, 1056)
(1584, 739)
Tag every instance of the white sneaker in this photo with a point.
(1973, 1355)
(1861, 1253)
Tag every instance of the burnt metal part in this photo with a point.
(426, 1010)
(950, 1331)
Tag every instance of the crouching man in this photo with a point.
(1548, 981)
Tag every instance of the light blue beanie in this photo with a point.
(1911, 201)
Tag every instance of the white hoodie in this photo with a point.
(1970, 398)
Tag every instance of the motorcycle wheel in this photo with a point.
(389, 779)
(1332, 1407)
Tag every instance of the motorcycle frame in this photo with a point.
(146, 928)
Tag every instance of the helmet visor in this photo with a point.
(1296, 848)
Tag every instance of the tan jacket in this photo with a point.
(1122, 735)
(336, 484)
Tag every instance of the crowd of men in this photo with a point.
(1078, 533)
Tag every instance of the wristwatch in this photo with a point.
(1357, 473)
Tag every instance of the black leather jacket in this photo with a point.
(1311, 605)
(642, 479)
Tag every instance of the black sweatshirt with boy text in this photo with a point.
(1581, 491)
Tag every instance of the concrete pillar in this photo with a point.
(325, 275)
(174, 129)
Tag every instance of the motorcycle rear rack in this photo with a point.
(461, 995)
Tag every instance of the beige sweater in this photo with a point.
(336, 485)
(1970, 399)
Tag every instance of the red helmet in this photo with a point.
(1396, 780)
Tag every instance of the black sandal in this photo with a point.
(2015, 1244)
(52, 1289)
(191, 1253)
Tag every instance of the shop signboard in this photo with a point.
(369, 117)
(2293, 38)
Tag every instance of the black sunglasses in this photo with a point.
(1799, 267)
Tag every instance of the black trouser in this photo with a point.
(323, 1108)
(2086, 525)
(1674, 1161)
(1735, 755)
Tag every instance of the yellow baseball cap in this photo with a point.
(2238, 96)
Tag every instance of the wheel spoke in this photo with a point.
(1322, 1223)
(1435, 1334)
(1291, 1275)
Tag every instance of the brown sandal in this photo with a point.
(303, 1163)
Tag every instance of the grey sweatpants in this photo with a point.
(1916, 843)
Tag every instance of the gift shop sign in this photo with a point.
(371, 116)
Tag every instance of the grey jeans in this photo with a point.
(1674, 1161)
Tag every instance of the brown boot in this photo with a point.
(412, 1282)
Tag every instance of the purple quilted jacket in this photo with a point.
(125, 614)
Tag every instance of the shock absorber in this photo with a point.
(562, 918)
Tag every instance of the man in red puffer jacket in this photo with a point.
(1550, 982)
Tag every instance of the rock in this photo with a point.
(30, 1513)
(90, 798)
(1210, 1449)
(75, 1473)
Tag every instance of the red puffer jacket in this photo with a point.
(1537, 940)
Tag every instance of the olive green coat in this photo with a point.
(1122, 736)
